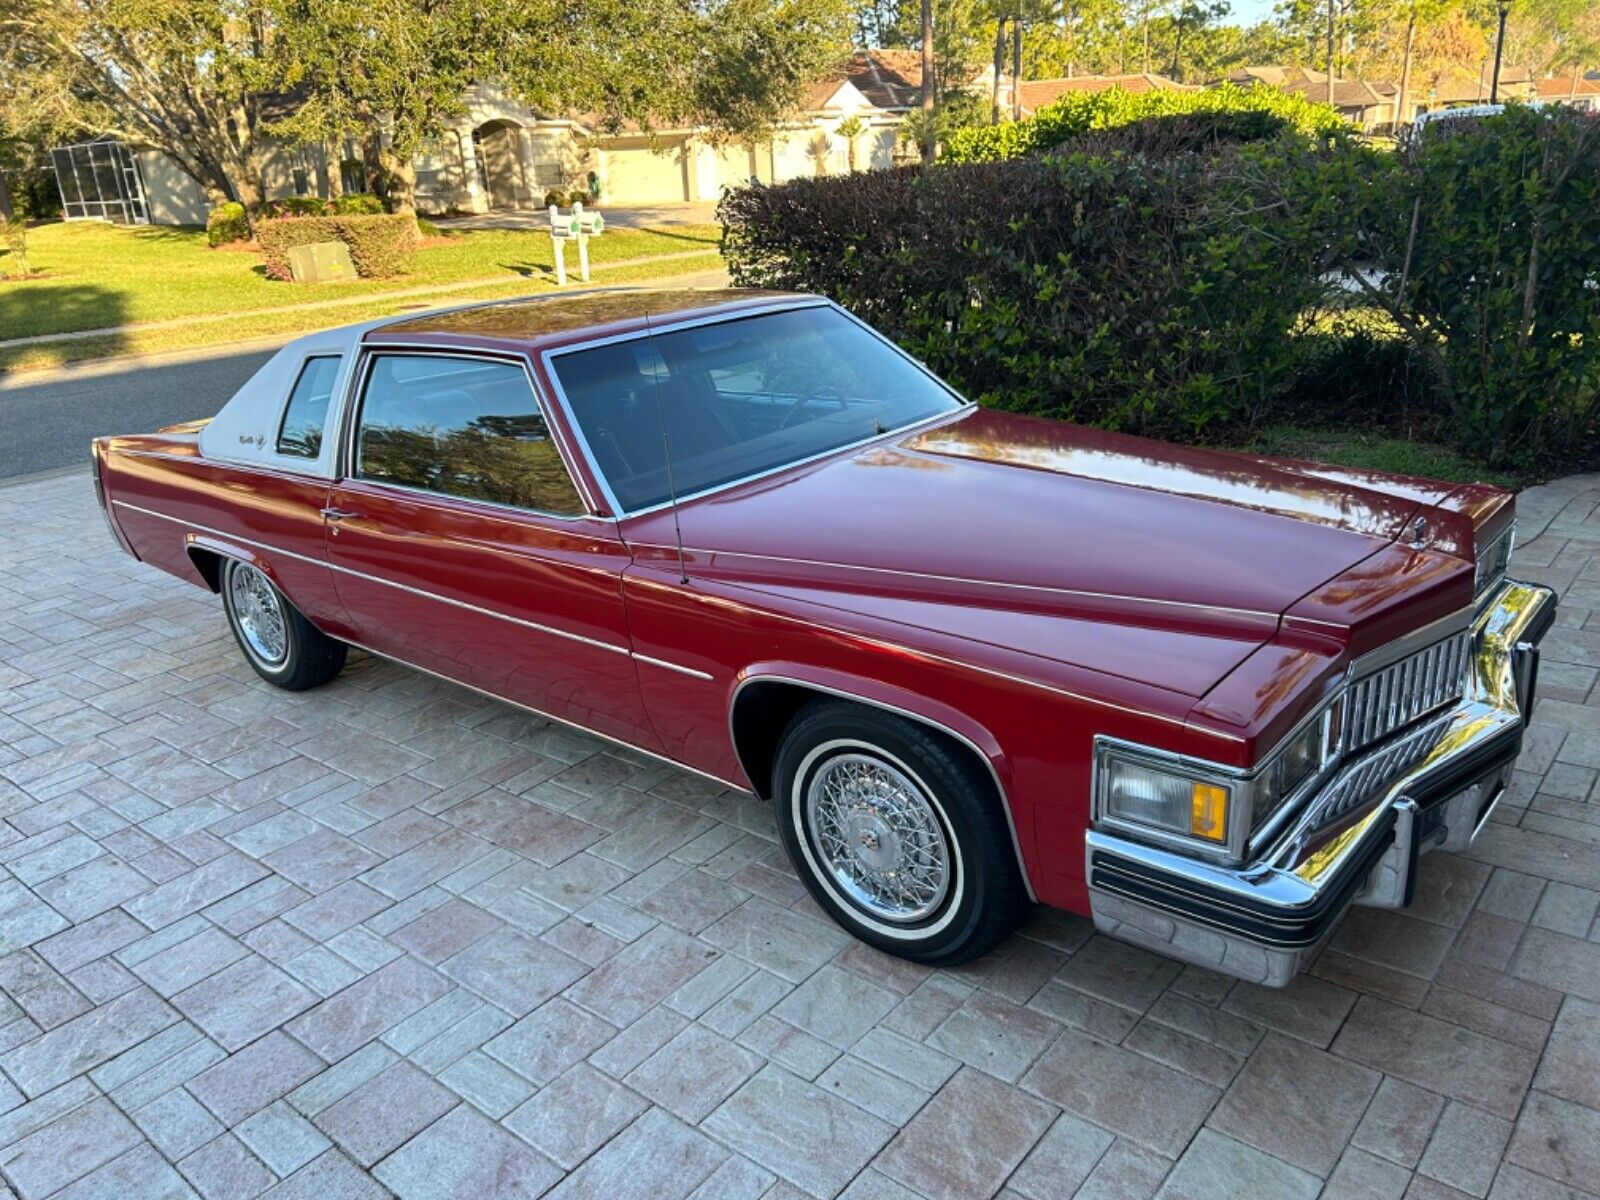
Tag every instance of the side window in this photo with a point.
(464, 427)
(307, 412)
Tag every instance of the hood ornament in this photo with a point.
(1417, 533)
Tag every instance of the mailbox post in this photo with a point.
(562, 230)
(579, 227)
(589, 225)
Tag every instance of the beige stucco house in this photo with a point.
(501, 155)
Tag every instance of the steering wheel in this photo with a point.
(821, 395)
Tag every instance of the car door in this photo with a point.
(460, 545)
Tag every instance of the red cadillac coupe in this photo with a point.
(974, 660)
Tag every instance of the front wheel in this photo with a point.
(897, 833)
(284, 648)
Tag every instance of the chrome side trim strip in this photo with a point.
(994, 583)
(670, 666)
(1005, 802)
(462, 604)
(570, 724)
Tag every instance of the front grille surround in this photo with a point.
(1393, 696)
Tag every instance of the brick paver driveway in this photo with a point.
(389, 935)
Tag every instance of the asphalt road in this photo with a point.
(48, 417)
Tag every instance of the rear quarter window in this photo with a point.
(306, 414)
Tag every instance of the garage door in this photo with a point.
(734, 166)
(638, 175)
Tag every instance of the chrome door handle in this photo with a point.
(337, 514)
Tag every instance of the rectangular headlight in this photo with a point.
(1491, 561)
(1187, 803)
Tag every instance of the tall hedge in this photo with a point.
(380, 246)
(1124, 290)
(1501, 275)
(1077, 113)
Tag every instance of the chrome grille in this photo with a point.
(1394, 696)
(1356, 786)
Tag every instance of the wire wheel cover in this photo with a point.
(879, 837)
(259, 614)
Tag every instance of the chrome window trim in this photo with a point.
(1000, 791)
(345, 457)
(621, 513)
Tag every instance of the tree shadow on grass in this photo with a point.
(34, 307)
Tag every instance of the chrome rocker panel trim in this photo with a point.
(1356, 841)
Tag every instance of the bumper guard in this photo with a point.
(1356, 841)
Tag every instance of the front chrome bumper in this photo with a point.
(1356, 841)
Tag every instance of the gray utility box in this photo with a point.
(321, 262)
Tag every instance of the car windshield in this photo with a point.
(737, 398)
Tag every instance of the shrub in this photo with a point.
(226, 223)
(554, 197)
(293, 206)
(1502, 276)
(1230, 108)
(1137, 293)
(579, 196)
(380, 246)
(353, 204)
(35, 194)
(14, 239)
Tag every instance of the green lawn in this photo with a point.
(97, 276)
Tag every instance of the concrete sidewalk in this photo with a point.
(431, 291)
(390, 936)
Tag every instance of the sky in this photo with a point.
(1248, 12)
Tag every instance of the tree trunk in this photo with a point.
(999, 68)
(929, 138)
(1144, 22)
(333, 160)
(372, 162)
(1016, 68)
(1177, 50)
(1402, 101)
(6, 210)
(400, 172)
(1332, 20)
(1577, 72)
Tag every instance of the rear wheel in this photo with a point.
(896, 832)
(284, 648)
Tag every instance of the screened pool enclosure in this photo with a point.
(100, 181)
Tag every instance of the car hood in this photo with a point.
(1161, 563)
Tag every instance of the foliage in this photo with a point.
(188, 77)
(553, 197)
(1135, 284)
(354, 204)
(293, 206)
(35, 194)
(227, 223)
(1078, 113)
(1501, 282)
(1117, 289)
(729, 65)
(380, 246)
(14, 238)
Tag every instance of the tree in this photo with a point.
(187, 77)
(928, 139)
(850, 129)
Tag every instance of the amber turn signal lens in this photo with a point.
(1208, 812)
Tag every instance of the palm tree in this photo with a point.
(850, 129)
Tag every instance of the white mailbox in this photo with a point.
(578, 226)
